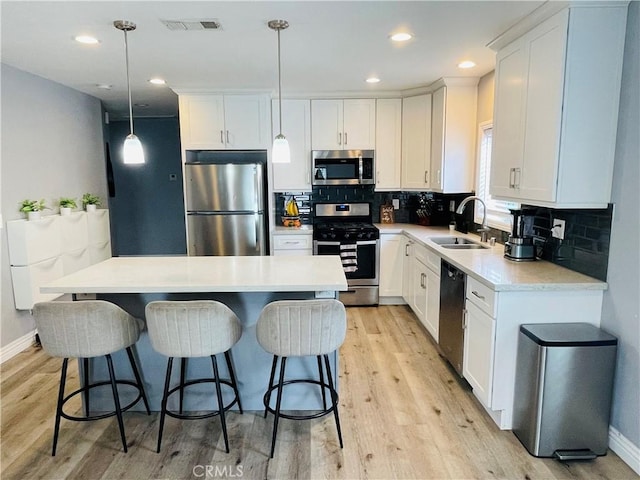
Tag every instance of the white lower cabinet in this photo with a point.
(492, 329)
(479, 340)
(27, 280)
(432, 317)
(293, 244)
(391, 264)
(421, 283)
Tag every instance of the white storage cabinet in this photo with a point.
(416, 142)
(556, 109)
(348, 124)
(388, 149)
(296, 127)
(219, 122)
(41, 251)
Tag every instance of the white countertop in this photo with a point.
(205, 274)
(491, 268)
(301, 230)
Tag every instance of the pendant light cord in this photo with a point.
(279, 84)
(126, 55)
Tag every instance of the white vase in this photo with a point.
(91, 208)
(33, 216)
(64, 211)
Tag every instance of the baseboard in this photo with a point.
(17, 346)
(627, 451)
(391, 301)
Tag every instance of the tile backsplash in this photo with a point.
(584, 249)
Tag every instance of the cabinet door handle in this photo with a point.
(511, 177)
(345, 138)
(477, 295)
(227, 136)
(339, 138)
(426, 176)
(221, 136)
(465, 313)
(516, 178)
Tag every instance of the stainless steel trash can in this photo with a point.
(564, 382)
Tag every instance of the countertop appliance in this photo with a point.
(343, 167)
(451, 324)
(346, 229)
(225, 195)
(520, 247)
(564, 385)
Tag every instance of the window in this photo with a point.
(498, 215)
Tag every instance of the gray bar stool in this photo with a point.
(297, 328)
(84, 330)
(199, 328)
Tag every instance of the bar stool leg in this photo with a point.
(324, 394)
(227, 356)
(85, 367)
(56, 429)
(220, 402)
(273, 373)
(136, 373)
(283, 364)
(334, 399)
(183, 369)
(116, 400)
(163, 407)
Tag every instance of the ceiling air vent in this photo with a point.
(191, 24)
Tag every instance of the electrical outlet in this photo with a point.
(396, 203)
(557, 229)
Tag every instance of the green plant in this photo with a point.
(90, 199)
(32, 206)
(68, 203)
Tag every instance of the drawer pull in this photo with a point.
(477, 295)
(291, 242)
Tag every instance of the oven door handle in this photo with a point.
(360, 168)
(317, 242)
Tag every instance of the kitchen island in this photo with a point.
(245, 284)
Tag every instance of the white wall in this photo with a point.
(52, 147)
(621, 301)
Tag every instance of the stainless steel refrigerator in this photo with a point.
(225, 203)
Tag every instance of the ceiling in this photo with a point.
(330, 46)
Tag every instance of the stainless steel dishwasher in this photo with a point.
(451, 333)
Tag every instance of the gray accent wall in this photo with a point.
(621, 301)
(52, 146)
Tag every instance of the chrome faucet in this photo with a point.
(484, 230)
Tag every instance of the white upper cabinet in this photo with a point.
(343, 124)
(296, 127)
(416, 142)
(219, 122)
(388, 149)
(556, 109)
(453, 135)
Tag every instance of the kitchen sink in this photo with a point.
(458, 243)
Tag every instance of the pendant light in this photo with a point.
(132, 151)
(280, 152)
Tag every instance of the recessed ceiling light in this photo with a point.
(157, 81)
(373, 80)
(401, 37)
(466, 64)
(104, 86)
(86, 39)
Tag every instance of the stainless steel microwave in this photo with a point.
(343, 167)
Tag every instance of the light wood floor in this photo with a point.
(404, 415)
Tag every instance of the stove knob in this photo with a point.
(361, 235)
(333, 235)
(347, 235)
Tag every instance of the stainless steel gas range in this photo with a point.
(346, 229)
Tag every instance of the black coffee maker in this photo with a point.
(519, 247)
